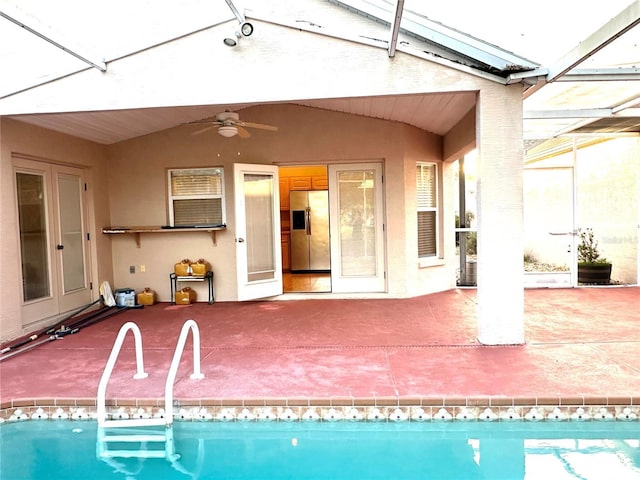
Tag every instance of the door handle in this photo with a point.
(59, 247)
(308, 221)
(240, 240)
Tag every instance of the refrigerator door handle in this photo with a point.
(308, 221)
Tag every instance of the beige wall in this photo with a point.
(608, 186)
(137, 179)
(39, 144)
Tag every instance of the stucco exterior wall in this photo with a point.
(138, 190)
(48, 146)
(275, 64)
(500, 219)
(279, 64)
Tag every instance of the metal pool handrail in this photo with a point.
(106, 374)
(173, 369)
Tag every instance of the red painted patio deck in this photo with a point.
(582, 345)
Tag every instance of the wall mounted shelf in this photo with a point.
(136, 231)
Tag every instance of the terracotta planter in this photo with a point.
(594, 273)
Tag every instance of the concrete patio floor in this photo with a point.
(582, 345)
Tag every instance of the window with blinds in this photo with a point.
(427, 209)
(196, 196)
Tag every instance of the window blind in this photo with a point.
(426, 203)
(196, 196)
(426, 234)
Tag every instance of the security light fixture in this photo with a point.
(232, 40)
(245, 29)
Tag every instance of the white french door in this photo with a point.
(53, 237)
(257, 216)
(357, 228)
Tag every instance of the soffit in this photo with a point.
(436, 113)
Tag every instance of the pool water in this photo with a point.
(334, 450)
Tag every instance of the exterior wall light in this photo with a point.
(232, 40)
(246, 28)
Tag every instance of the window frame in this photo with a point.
(171, 197)
(426, 260)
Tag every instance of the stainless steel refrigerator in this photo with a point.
(310, 230)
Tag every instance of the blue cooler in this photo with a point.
(125, 297)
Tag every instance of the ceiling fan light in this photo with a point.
(228, 131)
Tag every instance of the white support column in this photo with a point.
(500, 266)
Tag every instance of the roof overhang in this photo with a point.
(414, 35)
(448, 42)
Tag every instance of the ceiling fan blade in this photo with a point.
(242, 133)
(202, 130)
(259, 125)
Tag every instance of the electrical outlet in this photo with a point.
(132, 269)
(143, 268)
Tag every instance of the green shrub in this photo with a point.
(588, 248)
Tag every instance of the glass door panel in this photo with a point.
(34, 243)
(71, 233)
(258, 190)
(357, 234)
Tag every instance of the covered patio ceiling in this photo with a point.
(592, 90)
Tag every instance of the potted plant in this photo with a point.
(592, 268)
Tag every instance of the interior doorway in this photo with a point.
(304, 220)
(348, 233)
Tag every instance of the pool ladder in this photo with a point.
(143, 432)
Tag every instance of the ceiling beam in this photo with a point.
(581, 113)
(565, 68)
(590, 113)
(46, 33)
(601, 75)
(395, 27)
(614, 28)
(628, 105)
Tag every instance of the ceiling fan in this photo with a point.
(229, 125)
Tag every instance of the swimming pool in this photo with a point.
(334, 450)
